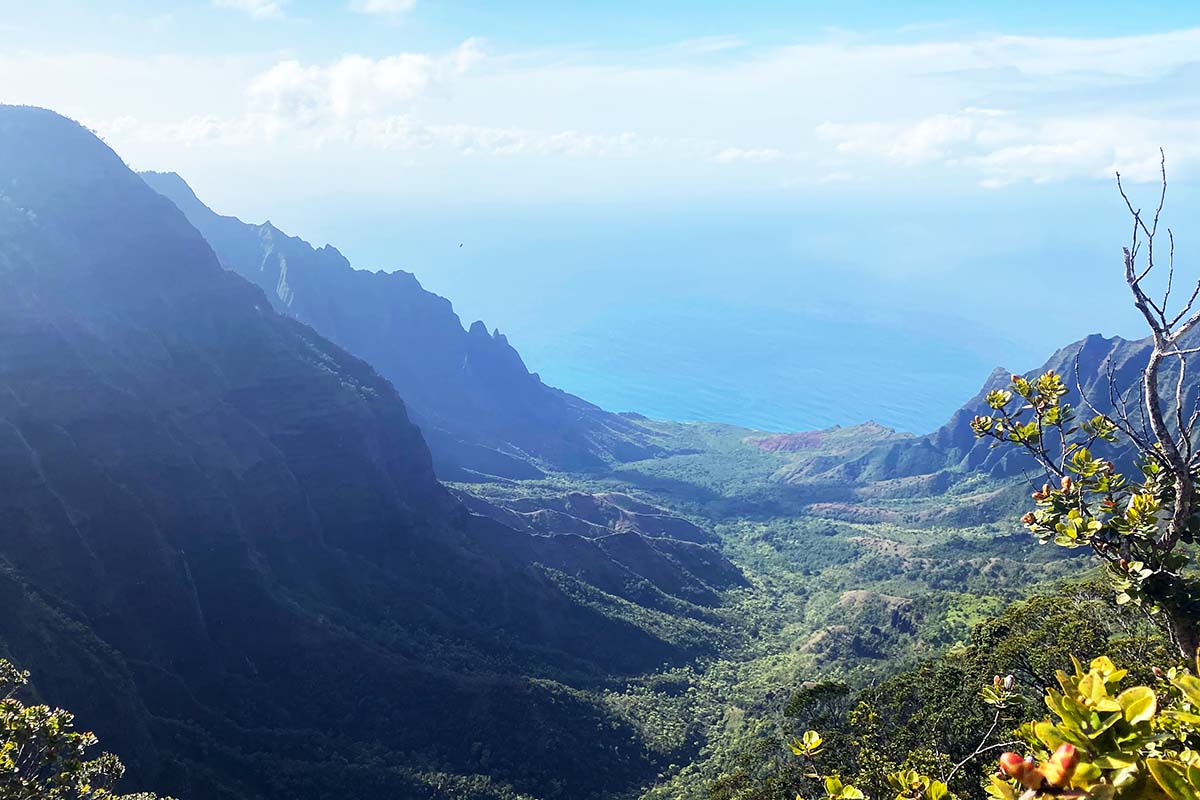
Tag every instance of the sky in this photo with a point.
(785, 215)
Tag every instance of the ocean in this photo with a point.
(775, 316)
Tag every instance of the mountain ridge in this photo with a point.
(480, 408)
(221, 535)
(953, 448)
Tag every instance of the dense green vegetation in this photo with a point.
(848, 583)
(43, 757)
(1103, 739)
(876, 612)
(931, 717)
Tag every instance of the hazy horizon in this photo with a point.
(638, 313)
(780, 220)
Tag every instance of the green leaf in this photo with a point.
(999, 398)
(1052, 736)
(1115, 761)
(1000, 789)
(1186, 717)
(1172, 779)
(1190, 686)
(1138, 704)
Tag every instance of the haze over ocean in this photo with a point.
(761, 315)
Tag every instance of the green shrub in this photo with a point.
(1100, 741)
(42, 756)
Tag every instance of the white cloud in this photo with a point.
(929, 139)
(259, 9)
(760, 155)
(470, 140)
(354, 86)
(984, 110)
(190, 131)
(391, 8)
(999, 149)
(397, 133)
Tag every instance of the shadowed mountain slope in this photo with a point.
(470, 392)
(223, 544)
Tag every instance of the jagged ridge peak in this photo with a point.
(477, 402)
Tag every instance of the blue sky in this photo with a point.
(325, 28)
(687, 209)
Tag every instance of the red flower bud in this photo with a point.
(1010, 763)
(1023, 769)
(1060, 766)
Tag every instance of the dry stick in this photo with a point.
(1091, 407)
(1175, 453)
(1184, 489)
(1164, 340)
(1183, 435)
(980, 748)
(1145, 425)
(1062, 443)
(1187, 306)
(1170, 269)
(1120, 404)
(1123, 425)
(1191, 426)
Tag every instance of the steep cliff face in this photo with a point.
(222, 541)
(479, 407)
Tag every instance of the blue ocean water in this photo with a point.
(781, 317)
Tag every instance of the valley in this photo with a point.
(277, 527)
(844, 581)
(460, 400)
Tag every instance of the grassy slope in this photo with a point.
(845, 581)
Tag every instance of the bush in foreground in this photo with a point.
(43, 757)
(1100, 741)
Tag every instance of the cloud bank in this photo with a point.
(989, 110)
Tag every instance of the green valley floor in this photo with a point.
(844, 580)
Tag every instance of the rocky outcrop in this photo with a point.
(673, 555)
